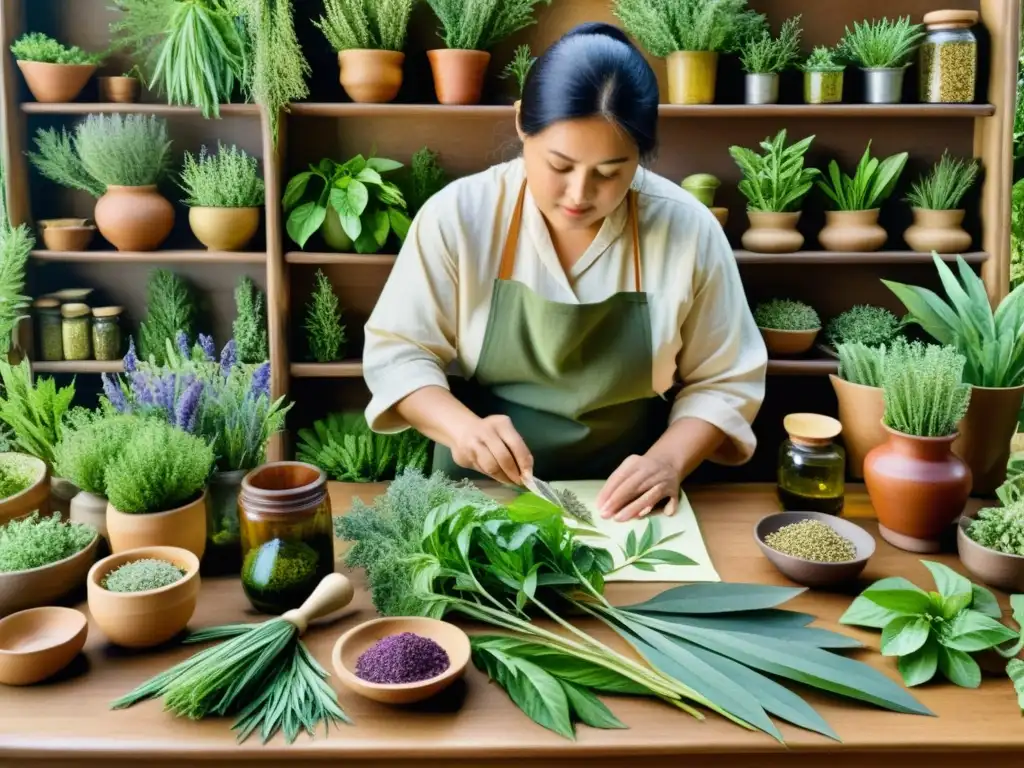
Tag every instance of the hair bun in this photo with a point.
(599, 28)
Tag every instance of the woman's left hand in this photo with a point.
(637, 486)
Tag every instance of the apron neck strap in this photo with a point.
(508, 253)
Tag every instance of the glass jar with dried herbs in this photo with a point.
(75, 331)
(48, 329)
(812, 468)
(948, 58)
(287, 534)
(106, 333)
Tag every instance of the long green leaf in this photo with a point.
(717, 598)
(821, 638)
(589, 709)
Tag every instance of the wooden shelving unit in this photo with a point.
(468, 139)
(77, 366)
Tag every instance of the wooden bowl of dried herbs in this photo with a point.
(814, 549)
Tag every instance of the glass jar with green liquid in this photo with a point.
(811, 467)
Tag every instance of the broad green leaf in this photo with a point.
(919, 667)
(959, 668)
(304, 221)
(540, 696)
(381, 228)
(947, 581)
(354, 165)
(640, 565)
(951, 606)
(902, 601)
(648, 538)
(1017, 609)
(864, 613)
(589, 709)
(296, 189)
(905, 635)
(717, 597)
(972, 631)
(530, 582)
(631, 544)
(369, 176)
(383, 164)
(928, 310)
(530, 508)
(400, 223)
(349, 218)
(669, 556)
(358, 197)
(1015, 671)
(821, 638)
(985, 602)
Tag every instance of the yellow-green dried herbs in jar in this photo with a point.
(106, 333)
(75, 331)
(821, 87)
(948, 58)
(48, 329)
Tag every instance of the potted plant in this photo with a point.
(703, 186)
(823, 76)
(224, 193)
(469, 30)
(858, 388)
(763, 57)
(789, 327)
(360, 209)
(775, 184)
(325, 331)
(24, 485)
(883, 49)
(42, 558)
(156, 490)
(124, 88)
(993, 346)
(53, 72)
(991, 541)
(368, 37)
(852, 223)
(118, 159)
(861, 324)
(916, 484)
(689, 35)
(935, 201)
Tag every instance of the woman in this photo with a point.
(590, 312)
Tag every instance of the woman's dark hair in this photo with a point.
(593, 70)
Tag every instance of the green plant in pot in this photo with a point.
(350, 204)
(369, 38)
(935, 201)
(24, 485)
(123, 88)
(225, 195)
(703, 186)
(862, 324)
(993, 346)
(763, 57)
(775, 184)
(883, 49)
(851, 224)
(53, 71)
(861, 402)
(789, 327)
(325, 331)
(823, 76)
(991, 542)
(118, 159)
(916, 484)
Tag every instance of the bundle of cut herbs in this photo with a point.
(431, 546)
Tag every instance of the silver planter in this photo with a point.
(884, 86)
(762, 88)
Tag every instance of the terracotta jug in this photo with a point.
(985, 434)
(773, 232)
(458, 75)
(852, 231)
(918, 487)
(692, 76)
(134, 218)
(121, 90)
(370, 76)
(938, 231)
(860, 412)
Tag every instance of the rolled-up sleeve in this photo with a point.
(723, 361)
(410, 337)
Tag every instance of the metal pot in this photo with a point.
(762, 88)
(884, 86)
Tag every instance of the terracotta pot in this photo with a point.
(855, 231)
(917, 486)
(458, 75)
(66, 234)
(144, 619)
(997, 569)
(985, 434)
(46, 584)
(722, 214)
(860, 412)
(772, 232)
(134, 218)
(120, 89)
(62, 491)
(938, 231)
(36, 496)
(55, 82)
(90, 509)
(370, 76)
(692, 76)
(782, 343)
(183, 527)
(224, 229)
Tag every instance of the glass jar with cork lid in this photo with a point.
(75, 331)
(948, 58)
(106, 333)
(811, 467)
(48, 328)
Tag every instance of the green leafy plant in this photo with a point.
(865, 324)
(520, 66)
(35, 46)
(999, 528)
(34, 411)
(90, 442)
(344, 446)
(861, 364)
(933, 632)
(142, 576)
(990, 341)
(647, 551)
(15, 475)
(368, 207)
(872, 182)
(366, 24)
(249, 328)
(34, 541)
(786, 315)
(688, 25)
(431, 547)
(16, 244)
(777, 180)
(764, 54)
(1017, 234)
(479, 25)
(228, 179)
(823, 59)
(170, 308)
(945, 185)
(426, 178)
(325, 333)
(881, 44)
(923, 389)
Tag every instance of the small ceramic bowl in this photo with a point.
(47, 583)
(351, 645)
(809, 572)
(997, 569)
(67, 234)
(783, 343)
(144, 619)
(38, 643)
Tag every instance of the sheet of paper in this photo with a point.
(682, 527)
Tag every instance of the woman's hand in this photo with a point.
(492, 445)
(637, 486)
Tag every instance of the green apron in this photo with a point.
(575, 379)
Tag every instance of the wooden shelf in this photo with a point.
(803, 367)
(85, 107)
(156, 257)
(77, 366)
(836, 257)
(354, 259)
(347, 370)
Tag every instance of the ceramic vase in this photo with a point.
(773, 232)
(224, 229)
(860, 412)
(61, 493)
(458, 75)
(939, 231)
(55, 83)
(852, 231)
(370, 76)
(90, 509)
(692, 76)
(183, 527)
(134, 218)
(985, 434)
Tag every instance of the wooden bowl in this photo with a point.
(149, 618)
(36, 496)
(811, 573)
(351, 645)
(38, 643)
(783, 343)
(997, 569)
(47, 583)
(67, 234)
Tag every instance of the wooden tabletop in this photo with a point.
(66, 721)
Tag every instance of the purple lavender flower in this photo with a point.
(206, 342)
(260, 384)
(181, 340)
(112, 389)
(142, 393)
(228, 357)
(131, 360)
(166, 388)
(188, 407)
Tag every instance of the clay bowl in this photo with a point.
(38, 643)
(997, 569)
(808, 572)
(149, 618)
(47, 583)
(36, 496)
(351, 645)
(67, 234)
(783, 343)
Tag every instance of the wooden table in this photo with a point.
(67, 722)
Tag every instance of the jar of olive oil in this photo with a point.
(812, 467)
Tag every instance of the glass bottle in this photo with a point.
(75, 331)
(812, 467)
(287, 534)
(948, 58)
(48, 329)
(106, 333)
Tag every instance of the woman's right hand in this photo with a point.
(492, 445)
